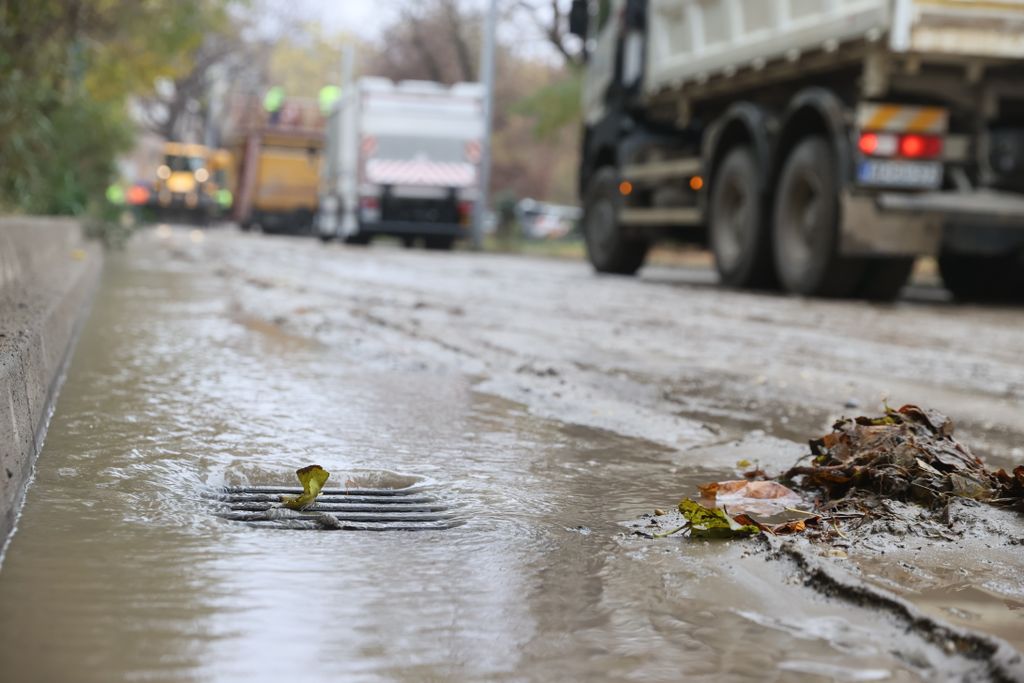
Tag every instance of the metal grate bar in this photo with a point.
(326, 492)
(326, 498)
(345, 517)
(332, 507)
(357, 526)
(347, 509)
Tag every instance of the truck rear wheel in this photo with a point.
(739, 237)
(806, 227)
(884, 278)
(972, 277)
(438, 242)
(610, 250)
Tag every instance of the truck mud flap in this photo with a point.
(869, 230)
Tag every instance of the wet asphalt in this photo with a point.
(552, 406)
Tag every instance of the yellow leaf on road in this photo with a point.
(312, 479)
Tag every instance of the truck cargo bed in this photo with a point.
(694, 41)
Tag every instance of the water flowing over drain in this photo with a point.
(353, 509)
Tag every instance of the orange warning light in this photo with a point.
(696, 183)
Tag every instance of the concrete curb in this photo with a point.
(48, 274)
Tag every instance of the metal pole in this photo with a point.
(487, 77)
(348, 144)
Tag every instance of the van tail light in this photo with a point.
(368, 145)
(369, 202)
(466, 212)
(909, 146)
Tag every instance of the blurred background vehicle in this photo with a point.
(183, 189)
(542, 220)
(279, 147)
(816, 146)
(402, 160)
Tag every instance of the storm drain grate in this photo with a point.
(345, 509)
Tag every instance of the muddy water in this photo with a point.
(118, 570)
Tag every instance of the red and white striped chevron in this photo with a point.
(420, 172)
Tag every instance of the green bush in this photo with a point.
(59, 155)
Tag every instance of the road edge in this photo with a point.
(996, 659)
(49, 274)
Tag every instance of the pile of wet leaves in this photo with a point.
(899, 473)
(907, 455)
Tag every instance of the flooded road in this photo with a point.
(553, 407)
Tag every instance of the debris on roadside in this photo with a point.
(704, 522)
(754, 497)
(906, 455)
(896, 474)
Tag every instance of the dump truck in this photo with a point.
(402, 160)
(819, 146)
(279, 166)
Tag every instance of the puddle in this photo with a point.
(119, 572)
(976, 591)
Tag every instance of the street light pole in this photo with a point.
(487, 77)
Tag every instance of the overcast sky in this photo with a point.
(366, 18)
(362, 17)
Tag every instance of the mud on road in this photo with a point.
(560, 408)
(671, 359)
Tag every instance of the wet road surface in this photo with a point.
(553, 406)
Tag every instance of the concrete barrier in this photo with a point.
(48, 274)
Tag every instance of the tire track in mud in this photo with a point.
(993, 659)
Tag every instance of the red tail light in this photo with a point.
(369, 202)
(369, 145)
(868, 143)
(466, 212)
(910, 146)
(920, 146)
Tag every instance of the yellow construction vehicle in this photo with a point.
(184, 187)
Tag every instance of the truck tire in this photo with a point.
(610, 250)
(884, 278)
(438, 242)
(972, 277)
(739, 237)
(806, 226)
(358, 240)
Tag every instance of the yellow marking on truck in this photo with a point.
(882, 116)
(927, 120)
(991, 5)
(895, 118)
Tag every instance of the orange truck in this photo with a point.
(279, 171)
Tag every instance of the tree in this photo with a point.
(180, 108)
(551, 19)
(435, 40)
(67, 70)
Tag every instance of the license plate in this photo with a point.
(908, 174)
